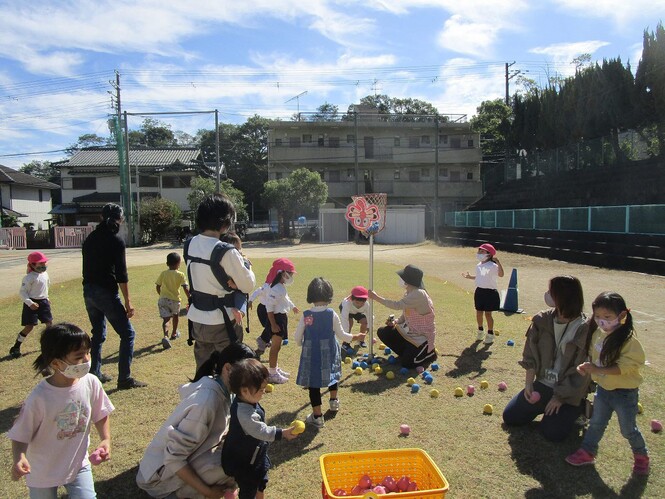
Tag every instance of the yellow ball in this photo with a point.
(488, 409)
(269, 388)
(377, 370)
(410, 381)
(298, 427)
(459, 392)
(358, 370)
(434, 393)
(640, 409)
(382, 346)
(390, 375)
(347, 360)
(484, 384)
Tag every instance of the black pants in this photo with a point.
(315, 394)
(409, 354)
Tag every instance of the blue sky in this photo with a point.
(246, 57)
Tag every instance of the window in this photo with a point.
(333, 175)
(306, 138)
(424, 172)
(455, 143)
(41, 195)
(469, 175)
(89, 183)
(443, 172)
(396, 174)
(294, 141)
(414, 175)
(278, 142)
(454, 176)
(333, 141)
(350, 139)
(469, 143)
(396, 142)
(320, 141)
(424, 139)
(414, 142)
(148, 181)
(443, 139)
(176, 181)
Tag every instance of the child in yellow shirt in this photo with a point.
(168, 286)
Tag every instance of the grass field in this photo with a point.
(478, 456)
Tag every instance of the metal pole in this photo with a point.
(436, 180)
(370, 319)
(217, 149)
(355, 150)
(130, 208)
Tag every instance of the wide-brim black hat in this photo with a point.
(412, 275)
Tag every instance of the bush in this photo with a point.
(158, 218)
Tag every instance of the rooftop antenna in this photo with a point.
(297, 98)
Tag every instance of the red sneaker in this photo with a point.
(581, 458)
(641, 466)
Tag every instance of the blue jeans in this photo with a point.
(102, 305)
(83, 487)
(624, 403)
(555, 427)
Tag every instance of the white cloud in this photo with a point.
(561, 54)
(621, 12)
(468, 37)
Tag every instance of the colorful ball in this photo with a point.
(640, 408)
(298, 427)
(391, 359)
(364, 364)
(434, 367)
(488, 409)
(269, 388)
(390, 375)
(347, 360)
(358, 371)
(484, 384)
(470, 390)
(429, 379)
(459, 392)
(377, 369)
(404, 429)
(420, 369)
(434, 393)
(404, 370)
(503, 386)
(535, 397)
(415, 388)
(410, 381)
(510, 343)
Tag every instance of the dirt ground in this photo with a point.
(643, 292)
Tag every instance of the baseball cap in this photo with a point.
(37, 257)
(359, 292)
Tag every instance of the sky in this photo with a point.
(58, 59)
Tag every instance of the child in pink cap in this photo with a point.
(34, 293)
(486, 298)
(355, 307)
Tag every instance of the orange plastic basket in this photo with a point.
(342, 470)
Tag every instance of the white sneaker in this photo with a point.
(489, 339)
(277, 379)
(480, 336)
(283, 373)
(318, 422)
(334, 405)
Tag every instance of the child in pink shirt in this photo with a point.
(51, 434)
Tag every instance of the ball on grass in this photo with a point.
(434, 393)
(656, 426)
(470, 390)
(459, 392)
(429, 379)
(358, 370)
(640, 408)
(484, 384)
(415, 388)
(434, 367)
(347, 360)
(269, 388)
(488, 409)
(390, 375)
(387, 351)
(377, 369)
(410, 381)
(420, 369)
(503, 386)
(404, 429)
(404, 371)
(510, 343)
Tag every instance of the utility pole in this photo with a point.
(297, 99)
(509, 76)
(217, 150)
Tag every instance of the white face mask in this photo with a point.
(608, 326)
(287, 280)
(76, 371)
(549, 301)
(481, 256)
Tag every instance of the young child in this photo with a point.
(239, 299)
(318, 332)
(616, 358)
(486, 297)
(278, 305)
(168, 287)
(245, 451)
(261, 294)
(355, 307)
(51, 434)
(34, 293)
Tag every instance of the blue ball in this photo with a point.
(434, 367)
(415, 387)
(375, 360)
(363, 364)
(510, 343)
(355, 364)
(387, 351)
(285, 342)
(365, 355)
(404, 370)
(429, 380)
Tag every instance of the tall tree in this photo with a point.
(492, 122)
(325, 112)
(87, 140)
(202, 187)
(42, 169)
(153, 133)
(399, 109)
(650, 83)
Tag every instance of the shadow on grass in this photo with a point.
(7, 417)
(283, 451)
(141, 352)
(545, 462)
(471, 361)
(120, 486)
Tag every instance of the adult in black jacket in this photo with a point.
(104, 271)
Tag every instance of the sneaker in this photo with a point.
(481, 335)
(318, 422)
(581, 458)
(641, 466)
(166, 343)
(277, 379)
(129, 383)
(363, 344)
(334, 405)
(104, 378)
(175, 335)
(489, 339)
(15, 351)
(283, 373)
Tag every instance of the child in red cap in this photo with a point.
(486, 297)
(34, 293)
(355, 307)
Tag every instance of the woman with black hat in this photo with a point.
(411, 336)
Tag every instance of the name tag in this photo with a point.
(551, 375)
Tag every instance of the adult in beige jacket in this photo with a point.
(556, 343)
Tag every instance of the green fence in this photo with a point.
(629, 219)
